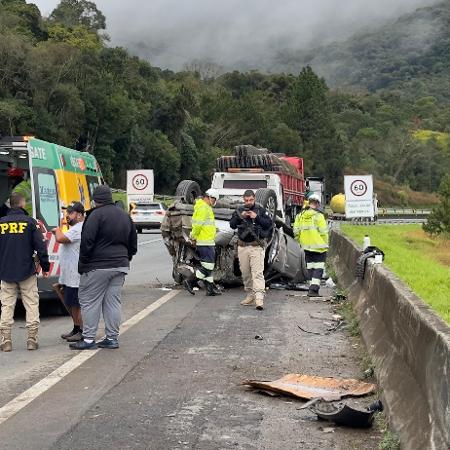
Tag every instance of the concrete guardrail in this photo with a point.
(409, 345)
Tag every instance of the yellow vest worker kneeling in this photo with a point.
(203, 236)
(311, 232)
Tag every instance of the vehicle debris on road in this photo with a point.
(310, 386)
(344, 414)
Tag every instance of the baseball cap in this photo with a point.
(74, 207)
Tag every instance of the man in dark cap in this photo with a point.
(108, 243)
(69, 255)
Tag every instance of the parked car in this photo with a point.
(147, 215)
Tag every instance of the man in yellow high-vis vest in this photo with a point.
(203, 236)
(311, 232)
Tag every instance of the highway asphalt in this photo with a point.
(176, 381)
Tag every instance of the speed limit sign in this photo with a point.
(359, 200)
(358, 188)
(140, 185)
(139, 182)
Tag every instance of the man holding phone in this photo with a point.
(254, 226)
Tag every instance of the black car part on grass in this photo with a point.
(369, 252)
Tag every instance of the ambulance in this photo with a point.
(50, 177)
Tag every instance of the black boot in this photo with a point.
(212, 290)
(188, 285)
(313, 293)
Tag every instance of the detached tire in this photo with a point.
(188, 191)
(268, 200)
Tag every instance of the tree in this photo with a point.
(439, 219)
(78, 36)
(13, 117)
(25, 18)
(285, 140)
(309, 112)
(72, 13)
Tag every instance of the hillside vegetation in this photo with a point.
(411, 53)
(61, 81)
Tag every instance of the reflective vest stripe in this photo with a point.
(207, 265)
(315, 265)
(203, 222)
(311, 246)
(205, 243)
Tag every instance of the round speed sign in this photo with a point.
(358, 188)
(139, 182)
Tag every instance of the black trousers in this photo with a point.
(315, 263)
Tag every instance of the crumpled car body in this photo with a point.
(285, 259)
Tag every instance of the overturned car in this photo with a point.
(285, 260)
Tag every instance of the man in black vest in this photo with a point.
(254, 226)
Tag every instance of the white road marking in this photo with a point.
(22, 400)
(149, 242)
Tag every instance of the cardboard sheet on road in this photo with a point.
(308, 387)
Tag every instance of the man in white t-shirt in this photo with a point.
(69, 254)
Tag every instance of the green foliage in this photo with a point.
(78, 36)
(439, 219)
(72, 13)
(389, 442)
(60, 82)
(349, 315)
(309, 112)
(442, 139)
(22, 18)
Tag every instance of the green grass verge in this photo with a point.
(122, 196)
(420, 261)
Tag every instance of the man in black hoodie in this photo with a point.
(108, 243)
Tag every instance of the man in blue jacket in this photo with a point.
(19, 240)
(108, 243)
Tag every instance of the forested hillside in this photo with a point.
(61, 81)
(412, 54)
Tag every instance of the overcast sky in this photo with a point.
(172, 33)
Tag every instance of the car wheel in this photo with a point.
(188, 191)
(119, 204)
(268, 200)
(139, 230)
(177, 277)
